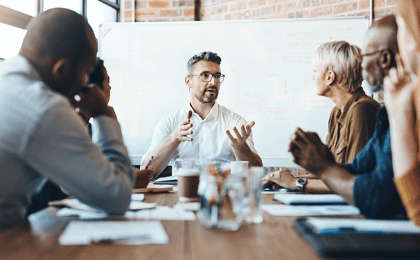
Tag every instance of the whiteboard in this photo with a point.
(268, 68)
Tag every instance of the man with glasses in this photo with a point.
(366, 182)
(202, 128)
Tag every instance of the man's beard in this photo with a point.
(378, 85)
(203, 99)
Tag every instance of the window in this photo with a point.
(75, 5)
(98, 13)
(13, 22)
(24, 6)
(10, 45)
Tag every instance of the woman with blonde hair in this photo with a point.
(338, 76)
(402, 100)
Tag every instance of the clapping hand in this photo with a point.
(309, 152)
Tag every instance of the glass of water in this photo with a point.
(253, 195)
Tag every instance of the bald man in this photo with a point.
(42, 137)
(366, 182)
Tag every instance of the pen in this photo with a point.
(148, 164)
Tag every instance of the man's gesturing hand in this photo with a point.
(309, 152)
(183, 130)
(240, 140)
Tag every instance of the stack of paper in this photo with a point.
(159, 213)
(76, 204)
(127, 232)
(336, 225)
(154, 188)
(304, 199)
(287, 210)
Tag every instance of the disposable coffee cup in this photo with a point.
(188, 180)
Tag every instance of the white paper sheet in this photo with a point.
(159, 213)
(137, 197)
(296, 199)
(76, 204)
(281, 191)
(334, 225)
(288, 210)
(188, 206)
(116, 232)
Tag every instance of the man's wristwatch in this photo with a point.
(300, 184)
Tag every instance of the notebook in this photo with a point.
(353, 241)
(304, 199)
(171, 180)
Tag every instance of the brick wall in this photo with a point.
(216, 10)
(158, 10)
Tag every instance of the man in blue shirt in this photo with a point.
(367, 182)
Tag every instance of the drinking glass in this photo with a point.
(253, 195)
(221, 197)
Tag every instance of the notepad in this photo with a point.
(151, 188)
(328, 210)
(76, 204)
(303, 199)
(115, 232)
(159, 213)
(173, 180)
(340, 225)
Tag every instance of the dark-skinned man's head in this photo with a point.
(62, 47)
(381, 42)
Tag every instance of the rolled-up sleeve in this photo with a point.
(160, 133)
(98, 173)
(374, 191)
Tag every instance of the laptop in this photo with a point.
(360, 245)
(171, 180)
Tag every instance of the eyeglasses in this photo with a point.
(207, 77)
(358, 56)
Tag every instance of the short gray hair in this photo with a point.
(205, 55)
(340, 57)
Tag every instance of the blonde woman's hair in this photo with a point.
(340, 57)
(409, 10)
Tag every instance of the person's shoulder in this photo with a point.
(366, 102)
(227, 112)
(175, 117)
(335, 111)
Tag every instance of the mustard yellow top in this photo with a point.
(408, 187)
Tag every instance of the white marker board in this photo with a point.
(268, 68)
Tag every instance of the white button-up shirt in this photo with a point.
(210, 140)
(42, 137)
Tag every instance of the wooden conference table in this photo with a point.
(274, 238)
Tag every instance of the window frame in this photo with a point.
(20, 20)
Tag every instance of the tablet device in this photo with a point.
(351, 244)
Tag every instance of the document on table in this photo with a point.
(303, 199)
(135, 204)
(280, 191)
(115, 232)
(288, 210)
(159, 213)
(340, 225)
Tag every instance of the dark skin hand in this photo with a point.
(92, 103)
(309, 152)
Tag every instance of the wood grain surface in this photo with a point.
(274, 238)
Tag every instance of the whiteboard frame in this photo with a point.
(121, 24)
(267, 162)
